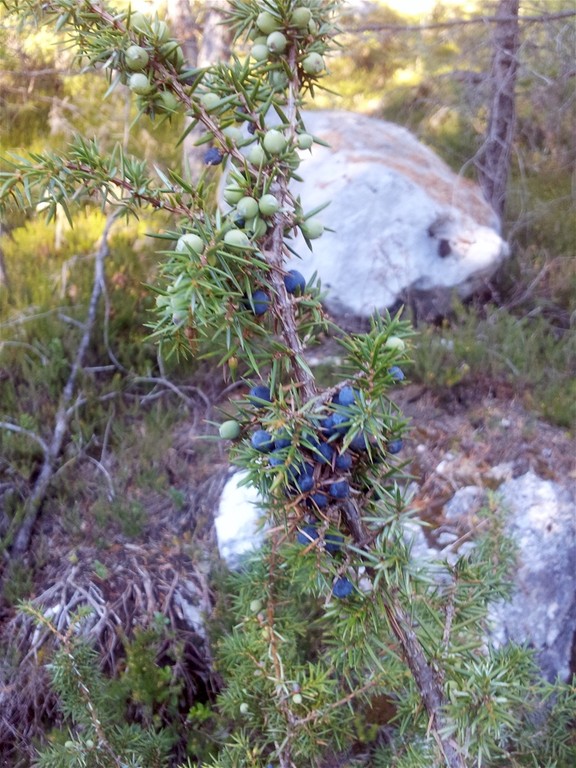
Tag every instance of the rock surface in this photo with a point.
(406, 228)
(452, 485)
(237, 521)
(542, 609)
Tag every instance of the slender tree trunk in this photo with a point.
(205, 41)
(3, 271)
(493, 161)
(185, 28)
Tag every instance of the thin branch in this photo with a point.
(544, 18)
(28, 433)
(34, 502)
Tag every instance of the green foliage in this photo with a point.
(95, 708)
(525, 351)
(334, 617)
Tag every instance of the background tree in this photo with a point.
(493, 162)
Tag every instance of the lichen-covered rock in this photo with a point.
(542, 608)
(237, 521)
(406, 228)
(540, 520)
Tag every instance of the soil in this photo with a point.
(478, 436)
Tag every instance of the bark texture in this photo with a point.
(205, 40)
(493, 161)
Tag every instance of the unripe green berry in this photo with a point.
(232, 194)
(276, 42)
(244, 708)
(256, 226)
(297, 698)
(139, 22)
(255, 606)
(139, 83)
(304, 140)
(236, 238)
(312, 27)
(267, 23)
(313, 64)
(257, 156)
(167, 102)
(268, 205)
(259, 52)
(160, 31)
(209, 101)
(172, 52)
(312, 228)
(234, 134)
(190, 242)
(274, 142)
(292, 160)
(395, 342)
(136, 58)
(89, 744)
(278, 79)
(229, 430)
(247, 207)
(300, 17)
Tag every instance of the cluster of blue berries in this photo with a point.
(295, 284)
(321, 469)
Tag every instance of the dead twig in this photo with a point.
(21, 531)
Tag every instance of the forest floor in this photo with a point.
(160, 559)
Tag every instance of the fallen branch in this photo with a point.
(20, 539)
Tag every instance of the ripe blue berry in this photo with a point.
(358, 443)
(346, 396)
(343, 461)
(213, 156)
(339, 490)
(295, 282)
(307, 534)
(283, 440)
(275, 461)
(340, 423)
(319, 500)
(342, 588)
(262, 441)
(395, 446)
(327, 425)
(333, 543)
(304, 482)
(310, 441)
(326, 454)
(260, 302)
(258, 394)
(396, 373)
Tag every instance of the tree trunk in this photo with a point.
(493, 161)
(185, 28)
(3, 271)
(205, 41)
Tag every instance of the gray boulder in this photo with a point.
(406, 228)
(542, 609)
(541, 520)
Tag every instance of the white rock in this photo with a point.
(238, 521)
(542, 609)
(406, 228)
